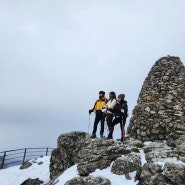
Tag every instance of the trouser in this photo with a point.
(99, 118)
(122, 122)
(109, 118)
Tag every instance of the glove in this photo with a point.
(122, 110)
(110, 109)
(103, 109)
(90, 111)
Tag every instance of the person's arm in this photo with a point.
(93, 109)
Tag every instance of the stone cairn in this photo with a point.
(160, 108)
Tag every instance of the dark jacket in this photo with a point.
(118, 109)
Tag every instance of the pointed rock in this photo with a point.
(161, 102)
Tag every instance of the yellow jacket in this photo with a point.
(99, 104)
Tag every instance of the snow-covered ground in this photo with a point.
(15, 176)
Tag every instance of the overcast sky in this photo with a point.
(56, 55)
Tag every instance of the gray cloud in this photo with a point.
(56, 56)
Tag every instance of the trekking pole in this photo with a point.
(107, 130)
(89, 123)
(122, 125)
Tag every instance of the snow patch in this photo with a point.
(143, 159)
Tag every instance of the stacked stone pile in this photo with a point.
(161, 102)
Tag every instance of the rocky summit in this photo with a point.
(159, 162)
(154, 148)
(160, 107)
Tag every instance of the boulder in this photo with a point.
(151, 174)
(126, 164)
(25, 165)
(98, 154)
(63, 156)
(32, 182)
(175, 172)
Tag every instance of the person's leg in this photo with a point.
(96, 121)
(109, 120)
(111, 128)
(102, 125)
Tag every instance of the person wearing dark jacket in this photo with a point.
(120, 112)
(99, 104)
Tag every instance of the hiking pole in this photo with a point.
(105, 127)
(107, 130)
(89, 122)
(122, 125)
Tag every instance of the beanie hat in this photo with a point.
(122, 96)
(102, 92)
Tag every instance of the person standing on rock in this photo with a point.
(99, 117)
(120, 112)
(110, 105)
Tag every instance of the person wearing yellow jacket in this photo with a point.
(99, 104)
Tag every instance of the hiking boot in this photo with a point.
(109, 136)
(93, 136)
(101, 136)
(122, 139)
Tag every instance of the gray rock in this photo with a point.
(63, 156)
(32, 182)
(175, 172)
(90, 180)
(151, 174)
(126, 164)
(157, 151)
(181, 149)
(25, 165)
(99, 154)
